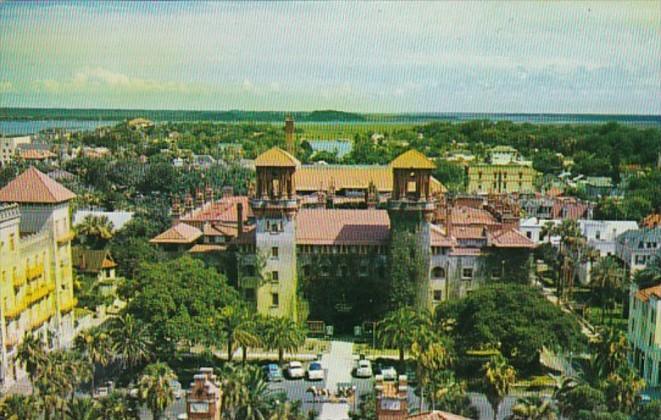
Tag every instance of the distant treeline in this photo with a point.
(322, 116)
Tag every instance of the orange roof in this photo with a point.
(436, 415)
(463, 215)
(644, 294)
(204, 248)
(32, 154)
(277, 157)
(510, 238)
(180, 233)
(412, 160)
(468, 232)
(342, 227)
(440, 239)
(33, 186)
(224, 210)
(652, 220)
(349, 177)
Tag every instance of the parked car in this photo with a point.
(364, 369)
(273, 372)
(295, 370)
(315, 372)
(389, 373)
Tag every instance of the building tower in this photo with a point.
(290, 137)
(411, 208)
(275, 206)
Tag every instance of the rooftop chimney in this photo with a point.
(239, 218)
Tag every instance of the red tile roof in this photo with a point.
(220, 229)
(342, 227)
(510, 238)
(223, 210)
(463, 215)
(32, 154)
(435, 415)
(644, 294)
(180, 233)
(468, 232)
(575, 210)
(440, 239)
(33, 186)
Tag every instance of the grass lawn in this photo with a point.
(593, 312)
(370, 352)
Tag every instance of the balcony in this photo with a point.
(18, 281)
(34, 272)
(39, 320)
(65, 237)
(39, 292)
(16, 310)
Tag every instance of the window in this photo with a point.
(275, 276)
(467, 273)
(529, 235)
(438, 295)
(438, 273)
(249, 294)
(275, 300)
(597, 235)
(12, 242)
(274, 252)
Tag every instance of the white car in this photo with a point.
(315, 372)
(389, 373)
(364, 369)
(295, 370)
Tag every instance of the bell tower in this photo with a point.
(411, 209)
(275, 206)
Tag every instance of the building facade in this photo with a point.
(636, 248)
(9, 146)
(644, 332)
(507, 178)
(36, 282)
(285, 237)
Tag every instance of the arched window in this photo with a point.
(438, 273)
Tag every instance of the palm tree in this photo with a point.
(622, 389)
(32, 355)
(116, 407)
(246, 394)
(83, 408)
(154, 388)
(611, 351)
(95, 345)
(231, 324)
(429, 358)
(20, 407)
(533, 408)
(397, 330)
(130, 341)
(498, 378)
(607, 280)
(245, 335)
(282, 334)
(96, 229)
(563, 385)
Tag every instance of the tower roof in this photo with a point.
(33, 186)
(412, 160)
(278, 158)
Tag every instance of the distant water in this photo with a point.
(20, 127)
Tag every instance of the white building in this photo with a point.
(532, 227)
(601, 234)
(637, 247)
(644, 332)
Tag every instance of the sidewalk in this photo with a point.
(339, 362)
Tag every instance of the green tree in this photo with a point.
(622, 389)
(607, 279)
(233, 324)
(31, 354)
(611, 351)
(117, 407)
(651, 411)
(282, 334)
(95, 231)
(154, 388)
(533, 408)
(246, 394)
(20, 407)
(130, 341)
(498, 379)
(95, 345)
(396, 330)
(82, 408)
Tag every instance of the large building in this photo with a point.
(281, 233)
(507, 178)
(644, 332)
(36, 283)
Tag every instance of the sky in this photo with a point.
(540, 57)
